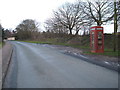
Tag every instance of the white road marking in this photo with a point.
(107, 62)
(83, 56)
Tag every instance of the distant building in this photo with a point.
(11, 38)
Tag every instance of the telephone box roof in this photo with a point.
(97, 27)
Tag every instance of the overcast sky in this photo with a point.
(12, 12)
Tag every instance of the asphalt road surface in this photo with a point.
(39, 66)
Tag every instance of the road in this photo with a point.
(40, 66)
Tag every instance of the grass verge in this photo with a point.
(1, 44)
(107, 52)
(86, 49)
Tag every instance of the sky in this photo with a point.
(13, 12)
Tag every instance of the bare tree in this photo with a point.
(70, 16)
(55, 26)
(98, 10)
(118, 12)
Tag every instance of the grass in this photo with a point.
(1, 44)
(107, 52)
(86, 49)
(35, 42)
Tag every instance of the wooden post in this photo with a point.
(115, 26)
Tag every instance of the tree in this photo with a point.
(118, 12)
(27, 29)
(1, 33)
(7, 33)
(70, 16)
(55, 26)
(99, 11)
(118, 6)
(116, 19)
(4, 33)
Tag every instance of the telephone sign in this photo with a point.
(97, 39)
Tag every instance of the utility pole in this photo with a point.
(115, 26)
(118, 28)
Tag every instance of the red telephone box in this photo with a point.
(97, 39)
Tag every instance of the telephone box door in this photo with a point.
(97, 39)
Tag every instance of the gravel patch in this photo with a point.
(105, 61)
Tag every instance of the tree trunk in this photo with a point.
(76, 33)
(70, 31)
(98, 23)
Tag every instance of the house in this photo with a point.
(11, 38)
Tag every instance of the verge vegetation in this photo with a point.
(82, 43)
(0, 44)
